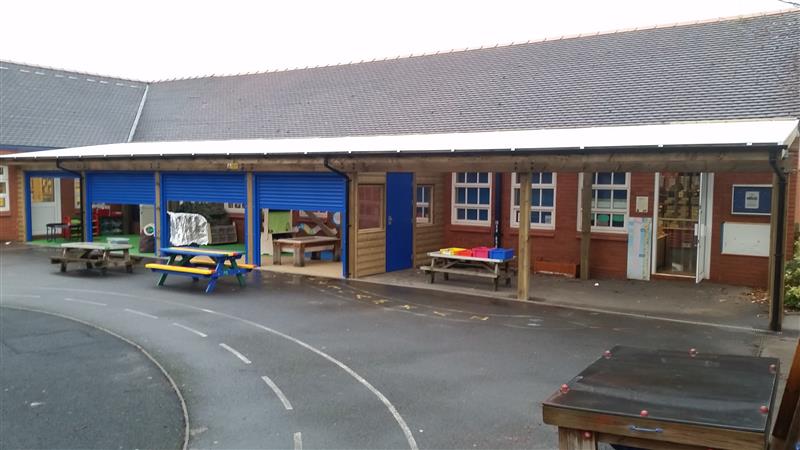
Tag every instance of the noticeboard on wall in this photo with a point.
(751, 199)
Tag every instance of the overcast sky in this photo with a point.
(160, 39)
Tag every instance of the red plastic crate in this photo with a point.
(464, 253)
(481, 252)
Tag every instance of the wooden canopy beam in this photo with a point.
(751, 159)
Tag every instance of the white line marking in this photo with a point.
(90, 80)
(235, 353)
(39, 73)
(191, 330)
(298, 441)
(72, 78)
(58, 75)
(21, 296)
(3, 68)
(24, 71)
(412, 443)
(88, 302)
(103, 82)
(133, 311)
(278, 392)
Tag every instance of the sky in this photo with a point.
(162, 39)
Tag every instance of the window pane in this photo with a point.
(535, 217)
(516, 196)
(483, 177)
(619, 178)
(535, 177)
(460, 177)
(472, 214)
(618, 221)
(603, 220)
(472, 196)
(483, 214)
(461, 214)
(461, 195)
(548, 197)
(620, 199)
(547, 217)
(472, 177)
(370, 206)
(603, 178)
(484, 196)
(420, 194)
(547, 177)
(603, 198)
(3, 187)
(2, 171)
(535, 197)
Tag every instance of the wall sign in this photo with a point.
(752, 199)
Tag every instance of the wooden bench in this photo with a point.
(180, 270)
(97, 255)
(245, 266)
(472, 266)
(302, 244)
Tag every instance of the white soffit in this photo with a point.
(771, 132)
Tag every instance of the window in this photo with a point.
(472, 194)
(609, 201)
(5, 199)
(424, 203)
(43, 190)
(543, 200)
(370, 207)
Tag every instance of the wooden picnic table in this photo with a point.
(302, 244)
(666, 399)
(469, 266)
(98, 255)
(181, 262)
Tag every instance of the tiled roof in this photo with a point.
(743, 68)
(43, 107)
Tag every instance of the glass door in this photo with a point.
(676, 236)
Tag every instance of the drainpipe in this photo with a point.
(80, 177)
(346, 211)
(780, 242)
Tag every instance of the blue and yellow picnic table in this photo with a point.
(182, 262)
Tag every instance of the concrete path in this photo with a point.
(67, 385)
(296, 362)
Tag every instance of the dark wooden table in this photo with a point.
(301, 244)
(658, 399)
(98, 255)
(471, 266)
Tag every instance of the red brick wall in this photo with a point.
(10, 221)
(608, 256)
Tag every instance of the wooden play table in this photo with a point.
(659, 399)
(302, 244)
(469, 266)
(98, 255)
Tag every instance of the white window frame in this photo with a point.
(607, 229)
(453, 211)
(6, 195)
(552, 209)
(424, 204)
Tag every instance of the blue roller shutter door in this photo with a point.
(301, 191)
(207, 187)
(119, 188)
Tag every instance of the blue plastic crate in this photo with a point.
(501, 253)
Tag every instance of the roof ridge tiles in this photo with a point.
(503, 45)
(70, 71)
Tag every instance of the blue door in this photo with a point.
(399, 220)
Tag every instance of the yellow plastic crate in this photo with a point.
(450, 250)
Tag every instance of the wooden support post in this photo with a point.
(777, 259)
(523, 256)
(569, 439)
(157, 215)
(586, 222)
(251, 232)
(352, 227)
